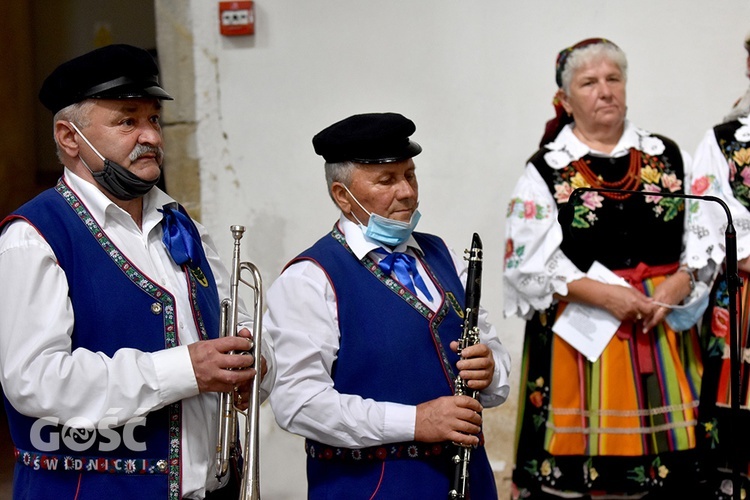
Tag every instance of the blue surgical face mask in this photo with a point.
(390, 232)
(683, 317)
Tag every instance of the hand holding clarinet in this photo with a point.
(476, 366)
(458, 418)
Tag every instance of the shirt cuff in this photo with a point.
(266, 351)
(399, 422)
(174, 374)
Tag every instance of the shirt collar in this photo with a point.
(361, 245)
(567, 145)
(103, 209)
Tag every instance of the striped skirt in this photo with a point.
(625, 424)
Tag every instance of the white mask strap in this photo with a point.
(87, 142)
(358, 203)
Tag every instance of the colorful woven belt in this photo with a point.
(407, 450)
(48, 461)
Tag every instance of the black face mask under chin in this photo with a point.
(115, 178)
(121, 182)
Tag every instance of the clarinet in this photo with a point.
(469, 337)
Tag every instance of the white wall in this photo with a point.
(476, 76)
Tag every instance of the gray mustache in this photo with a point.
(142, 149)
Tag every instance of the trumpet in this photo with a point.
(250, 481)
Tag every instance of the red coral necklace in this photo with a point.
(630, 181)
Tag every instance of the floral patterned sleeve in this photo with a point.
(534, 268)
(712, 175)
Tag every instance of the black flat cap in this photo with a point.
(368, 138)
(112, 72)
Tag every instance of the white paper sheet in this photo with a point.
(589, 329)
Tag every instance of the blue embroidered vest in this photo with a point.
(115, 306)
(392, 348)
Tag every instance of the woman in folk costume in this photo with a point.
(722, 169)
(620, 424)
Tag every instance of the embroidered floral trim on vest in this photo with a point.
(392, 284)
(434, 318)
(656, 175)
(736, 150)
(168, 310)
(193, 290)
(406, 450)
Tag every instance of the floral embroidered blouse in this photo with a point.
(537, 262)
(722, 169)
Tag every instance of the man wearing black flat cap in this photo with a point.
(364, 325)
(109, 360)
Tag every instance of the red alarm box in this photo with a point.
(236, 18)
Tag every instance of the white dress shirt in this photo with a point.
(42, 377)
(302, 322)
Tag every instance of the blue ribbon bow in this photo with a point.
(405, 268)
(181, 237)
